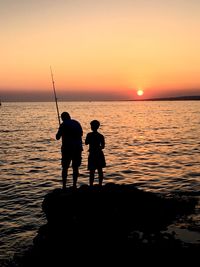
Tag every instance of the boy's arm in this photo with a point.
(103, 142)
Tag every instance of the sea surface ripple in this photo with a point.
(152, 144)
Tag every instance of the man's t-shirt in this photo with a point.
(71, 133)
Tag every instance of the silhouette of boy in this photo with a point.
(96, 159)
(71, 132)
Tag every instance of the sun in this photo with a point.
(140, 92)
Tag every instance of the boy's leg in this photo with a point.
(92, 177)
(100, 172)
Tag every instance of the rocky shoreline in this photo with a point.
(99, 221)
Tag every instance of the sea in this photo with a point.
(152, 144)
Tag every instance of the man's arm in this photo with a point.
(59, 133)
(80, 129)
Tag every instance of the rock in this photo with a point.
(92, 221)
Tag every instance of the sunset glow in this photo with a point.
(140, 92)
(100, 47)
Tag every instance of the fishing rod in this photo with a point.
(54, 90)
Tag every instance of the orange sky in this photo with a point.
(106, 47)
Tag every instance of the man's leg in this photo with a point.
(64, 176)
(75, 176)
(76, 163)
(65, 167)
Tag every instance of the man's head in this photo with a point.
(65, 116)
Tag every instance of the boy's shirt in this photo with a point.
(95, 140)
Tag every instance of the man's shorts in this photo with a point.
(74, 157)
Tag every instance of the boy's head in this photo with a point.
(94, 124)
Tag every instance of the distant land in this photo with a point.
(177, 98)
(85, 99)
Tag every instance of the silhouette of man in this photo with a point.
(71, 132)
(96, 158)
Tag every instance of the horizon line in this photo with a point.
(170, 98)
